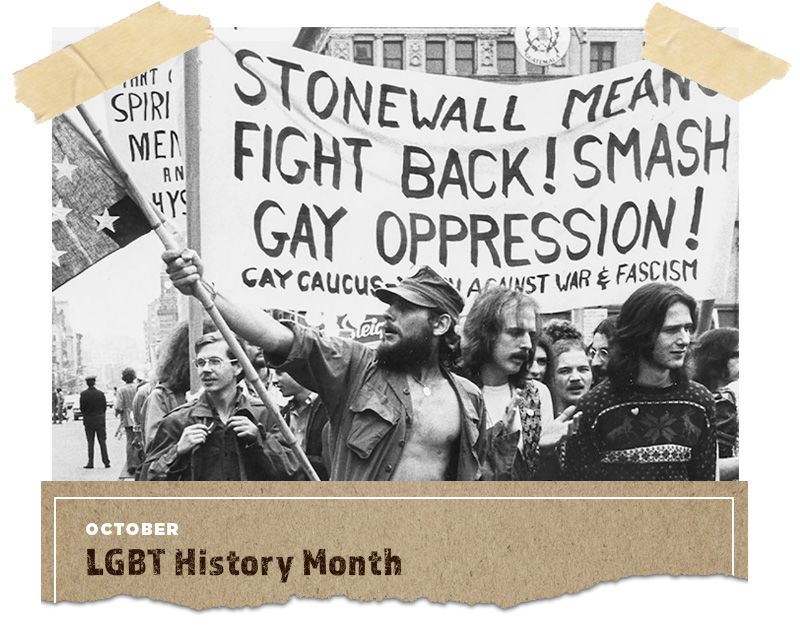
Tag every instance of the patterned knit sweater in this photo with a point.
(644, 433)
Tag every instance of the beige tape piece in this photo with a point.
(107, 58)
(707, 56)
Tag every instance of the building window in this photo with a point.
(534, 69)
(393, 55)
(506, 58)
(465, 58)
(434, 57)
(362, 53)
(601, 56)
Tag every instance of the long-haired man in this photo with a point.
(498, 340)
(647, 421)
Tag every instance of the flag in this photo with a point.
(93, 215)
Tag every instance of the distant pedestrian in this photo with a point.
(93, 408)
(124, 408)
(58, 406)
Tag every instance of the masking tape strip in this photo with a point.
(107, 58)
(707, 56)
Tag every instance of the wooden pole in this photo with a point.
(705, 311)
(170, 242)
(191, 91)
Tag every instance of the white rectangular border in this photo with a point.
(388, 497)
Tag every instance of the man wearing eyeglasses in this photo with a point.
(222, 435)
(396, 412)
(599, 350)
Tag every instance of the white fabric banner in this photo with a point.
(144, 117)
(322, 180)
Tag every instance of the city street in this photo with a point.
(69, 452)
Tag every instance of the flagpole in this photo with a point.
(170, 241)
(191, 157)
(705, 312)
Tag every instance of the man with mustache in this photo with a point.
(571, 373)
(396, 412)
(223, 435)
(498, 339)
(647, 421)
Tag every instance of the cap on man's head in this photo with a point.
(425, 288)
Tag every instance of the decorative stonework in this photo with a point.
(342, 49)
(487, 53)
(416, 53)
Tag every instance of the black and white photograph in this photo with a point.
(474, 254)
(414, 254)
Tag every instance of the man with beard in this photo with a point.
(647, 421)
(499, 336)
(396, 412)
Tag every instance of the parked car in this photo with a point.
(72, 403)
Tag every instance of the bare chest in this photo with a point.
(436, 416)
(432, 434)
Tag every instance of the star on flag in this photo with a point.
(102, 216)
(57, 254)
(105, 221)
(60, 212)
(65, 169)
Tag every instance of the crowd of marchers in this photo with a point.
(487, 395)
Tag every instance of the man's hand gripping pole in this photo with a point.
(169, 239)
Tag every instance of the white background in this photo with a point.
(769, 225)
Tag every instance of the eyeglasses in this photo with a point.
(603, 352)
(213, 362)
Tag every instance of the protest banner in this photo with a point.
(144, 118)
(321, 181)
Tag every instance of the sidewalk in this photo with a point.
(69, 452)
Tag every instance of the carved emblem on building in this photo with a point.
(542, 45)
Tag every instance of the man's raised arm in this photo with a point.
(185, 268)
